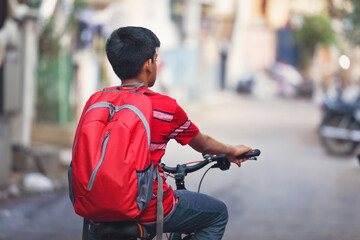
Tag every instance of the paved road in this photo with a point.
(294, 191)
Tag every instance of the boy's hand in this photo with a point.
(236, 151)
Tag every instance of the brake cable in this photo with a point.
(202, 178)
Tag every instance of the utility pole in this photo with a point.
(3, 15)
(5, 145)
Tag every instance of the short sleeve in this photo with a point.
(182, 129)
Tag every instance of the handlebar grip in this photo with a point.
(252, 153)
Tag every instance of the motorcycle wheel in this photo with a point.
(335, 146)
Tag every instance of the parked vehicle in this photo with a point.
(340, 126)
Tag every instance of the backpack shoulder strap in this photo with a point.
(85, 232)
(160, 207)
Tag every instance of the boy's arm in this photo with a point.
(208, 145)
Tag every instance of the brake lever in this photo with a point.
(221, 162)
(223, 165)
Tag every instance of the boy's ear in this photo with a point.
(148, 65)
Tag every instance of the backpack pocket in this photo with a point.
(103, 150)
(145, 186)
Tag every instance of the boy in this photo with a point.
(132, 52)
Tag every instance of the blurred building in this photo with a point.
(264, 34)
(255, 38)
(190, 33)
(18, 60)
(206, 45)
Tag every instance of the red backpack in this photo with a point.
(111, 175)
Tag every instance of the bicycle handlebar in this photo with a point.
(188, 169)
(252, 154)
(221, 159)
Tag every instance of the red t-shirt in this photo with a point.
(169, 122)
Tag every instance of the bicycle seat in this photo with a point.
(121, 230)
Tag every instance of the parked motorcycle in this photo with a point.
(340, 126)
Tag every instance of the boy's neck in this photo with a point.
(133, 81)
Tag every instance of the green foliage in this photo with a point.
(315, 30)
(50, 38)
(351, 21)
(49, 42)
(55, 69)
(78, 4)
(34, 3)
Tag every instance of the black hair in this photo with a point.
(128, 48)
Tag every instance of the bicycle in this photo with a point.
(132, 230)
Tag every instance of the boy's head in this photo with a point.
(128, 48)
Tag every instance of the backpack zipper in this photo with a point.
(114, 109)
(100, 104)
(103, 150)
(108, 105)
(111, 112)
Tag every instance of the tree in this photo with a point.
(315, 30)
(348, 12)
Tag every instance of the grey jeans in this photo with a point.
(196, 213)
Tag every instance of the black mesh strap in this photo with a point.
(137, 86)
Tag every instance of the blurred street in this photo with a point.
(294, 191)
(246, 72)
